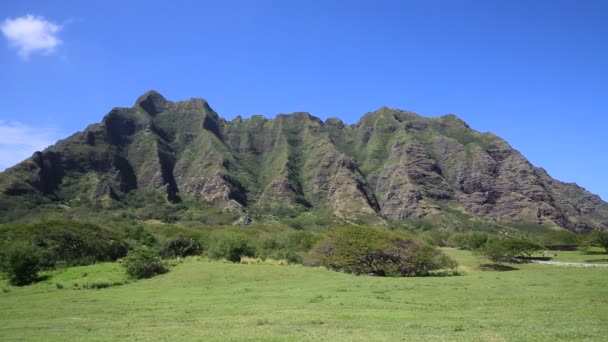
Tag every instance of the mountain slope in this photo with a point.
(391, 165)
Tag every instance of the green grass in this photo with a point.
(206, 301)
(74, 278)
(591, 255)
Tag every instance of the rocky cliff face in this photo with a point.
(392, 164)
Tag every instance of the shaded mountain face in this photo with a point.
(392, 165)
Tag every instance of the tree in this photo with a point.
(143, 262)
(598, 238)
(366, 250)
(498, 251)
(518, 247)
(494, 251)
(22, 264)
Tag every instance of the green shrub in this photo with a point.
(290, 246)
(230, 246)
(143, 262)
(22, 263)
(292, 257)
(436, 237)
(468, 240)
(365, 250)
(180, 247)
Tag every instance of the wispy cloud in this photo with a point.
(30, 34)
(19, 141)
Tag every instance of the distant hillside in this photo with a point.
(391, 165)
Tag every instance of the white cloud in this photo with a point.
(19, 141)
(30, 34)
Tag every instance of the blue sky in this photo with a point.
(532, 72)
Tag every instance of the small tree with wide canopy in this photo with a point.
(375, 251)
(499, 251)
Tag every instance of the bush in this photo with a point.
(230, 246)
(180, 247)
(143, 262)
(22, 263)
(436, 237)
(290, 246)
(365, 250)
(468, 240)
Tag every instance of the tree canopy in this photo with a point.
(375, 251)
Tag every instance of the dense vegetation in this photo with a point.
(287, 235)
(82, 236)
(65, 243)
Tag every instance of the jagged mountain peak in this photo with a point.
(153, 102)
(391, 165)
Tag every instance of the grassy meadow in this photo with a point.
(208, 301)
(593, 255)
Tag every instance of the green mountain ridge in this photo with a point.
(391, 165)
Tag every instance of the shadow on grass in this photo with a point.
(43, 277)
(527, 259)
(583, 252)
(38, 279)
(445, 273)
(496, 267)
(597, 261)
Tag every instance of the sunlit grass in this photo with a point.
(203, 300)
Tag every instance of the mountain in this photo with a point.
(391, 165)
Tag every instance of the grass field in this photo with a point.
(592, 255)
(207, 301)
